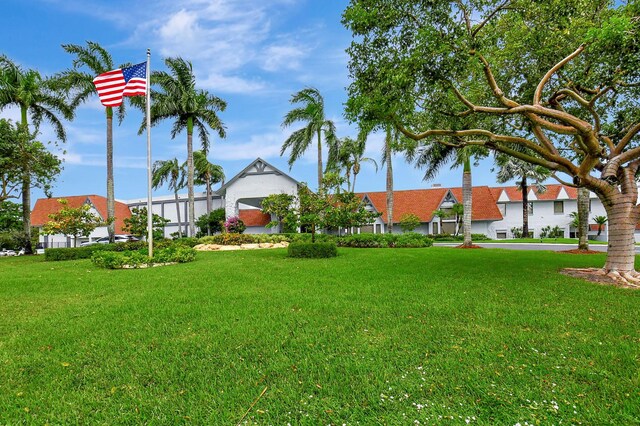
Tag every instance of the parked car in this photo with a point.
(5, 252)
(120, 238)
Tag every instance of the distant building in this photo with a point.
(496, 210)
(98, 206)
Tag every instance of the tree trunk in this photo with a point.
(525, 207)
(111, 207)
(208, 185)
(583, 219)
(387, 156)
(26, 190)
(190, 173)
(319, 160)
(467, 203)
(175, 193)
(623, 216)
(26, 212)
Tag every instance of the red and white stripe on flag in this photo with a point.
(113, 85)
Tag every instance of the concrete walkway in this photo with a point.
(532, 246)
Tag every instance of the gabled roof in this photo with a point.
(255, 168)
(254, 217)
(553, 192)
(45, 206)
(423, 202)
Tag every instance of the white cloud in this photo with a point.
(283, 57)
(231, 84)
(264, 146)
(93, 160)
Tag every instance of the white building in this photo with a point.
(496, 210)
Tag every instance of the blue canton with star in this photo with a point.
(136, 71)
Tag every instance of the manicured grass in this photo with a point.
(379, 336)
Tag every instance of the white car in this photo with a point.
(5, 252)
(105, 240)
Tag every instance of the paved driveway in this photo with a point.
(533, 246)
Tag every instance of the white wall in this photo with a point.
(256, 186)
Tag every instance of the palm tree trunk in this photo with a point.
(525, 207)
(319, 159)
(26, 189)
(387, 155)
(175, 194)
(111, 207)
(26, 212)
(208, 184)
(190, 173)
(583, 218)
(467, 202)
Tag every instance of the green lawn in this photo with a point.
(379, 336)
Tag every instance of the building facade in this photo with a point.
(497, 211)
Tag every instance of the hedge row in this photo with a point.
(408, 240)
(312, 250)
(71, 253)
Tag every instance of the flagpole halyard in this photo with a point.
(149, 199)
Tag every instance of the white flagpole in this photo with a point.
(149, 199)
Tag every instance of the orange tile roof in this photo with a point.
(254, 217)
(423, 202)
(552, 192)
(45, 206)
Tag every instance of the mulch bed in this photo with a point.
(472, 246)
(576, 251)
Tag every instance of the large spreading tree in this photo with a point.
(560, 78)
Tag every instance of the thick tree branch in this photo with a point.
(626, 139)
(563, 182)
(538, 93)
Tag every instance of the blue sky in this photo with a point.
(253, 54)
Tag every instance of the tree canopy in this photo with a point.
(559, 78)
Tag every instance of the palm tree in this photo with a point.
(191, 109)
(97, 61)
(433, 157)
(391, 136)
(583, 219)
(206, 173)
(511, 168)
(600, 220)
(37, 99)
(171, 172)
(312, 113)
(349, 155)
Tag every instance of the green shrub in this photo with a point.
(137, 259)
(479, 237)
(368, 240)
(413, 240)
(117, 260)
(86, 252)
(176, 253)
(73, 253)
(409, 239)
(409, 222)
(313, 250)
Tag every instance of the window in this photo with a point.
(435, 228)
(501, 235)
(503, 209)
(558, 207)
(530, 209)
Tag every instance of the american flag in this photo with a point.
(113, 85)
